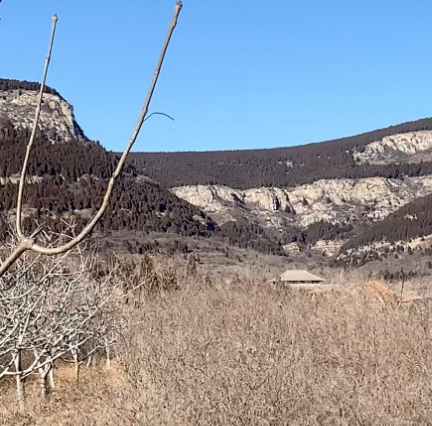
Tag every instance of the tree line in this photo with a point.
(279, 167)
(7, 84)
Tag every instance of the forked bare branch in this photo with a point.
(29, 243)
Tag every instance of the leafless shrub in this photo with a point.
(48, 310)
(242, 353)
(137, 276)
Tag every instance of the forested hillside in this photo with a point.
(72, 177)
(277, 167)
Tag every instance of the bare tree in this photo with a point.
(54, 308)
(48, 312)
(28, 243)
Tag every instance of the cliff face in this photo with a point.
(337, 200)
(57, 121)
(352, 204)
(398, 147)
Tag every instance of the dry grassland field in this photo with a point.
(229, 348)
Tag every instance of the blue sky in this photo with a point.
(238, 74)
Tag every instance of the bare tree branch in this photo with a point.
(34, 130)
(29, 243)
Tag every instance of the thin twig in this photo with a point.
(159, 113)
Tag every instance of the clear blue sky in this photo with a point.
(238, 74)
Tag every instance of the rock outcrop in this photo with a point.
(395, 148)
(57, 121)
(336, 200)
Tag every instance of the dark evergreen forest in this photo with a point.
(410, 221)
(73, 178)
(279, 167)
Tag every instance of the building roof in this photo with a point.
(300, 276)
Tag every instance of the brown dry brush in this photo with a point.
(208, 351)
(69, 308)
(244, 354)
(48, 312)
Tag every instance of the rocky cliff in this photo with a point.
(336, 201)
(397, 148)
(317, 195)
(57, 121)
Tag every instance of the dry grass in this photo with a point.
(95, 401)
(218, 352)
(243, 354)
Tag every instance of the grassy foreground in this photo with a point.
(244, 353)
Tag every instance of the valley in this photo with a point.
(332, 202)
(207, 285)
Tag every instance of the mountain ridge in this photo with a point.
(330, 197)
(67, 177)
(280, 167)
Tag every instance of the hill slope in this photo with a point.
(68, 179)
(338, 194)
(341, 194)
(345, 158)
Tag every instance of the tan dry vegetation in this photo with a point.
(236, 351)
(93, 402)
(242, 353)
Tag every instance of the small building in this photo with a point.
(300, 277)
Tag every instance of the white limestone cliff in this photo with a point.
(334, 200)
(57, 116)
